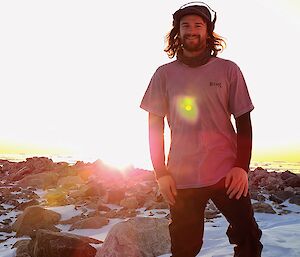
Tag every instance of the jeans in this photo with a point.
(187, 221)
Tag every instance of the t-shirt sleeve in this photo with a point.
(239, 98)
(155, 97)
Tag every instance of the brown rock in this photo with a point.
(41, 180)
(24, 205)
(115, 195)
(51, 244)
(70, 182)
(295, 199)
(33, 218)
(22, 248)
(90, 223)
(263, 207)
(129, 203)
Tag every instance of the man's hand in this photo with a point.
(167, 188)
(236, 183)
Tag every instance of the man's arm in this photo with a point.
(237, 179)
(157, 145)
(244, 141)
(157, 151)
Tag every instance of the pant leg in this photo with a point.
(243, 230)
(187, 222)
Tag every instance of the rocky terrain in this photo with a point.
(101, 194)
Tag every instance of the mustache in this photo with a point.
(186, 36)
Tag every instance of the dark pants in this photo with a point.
(187, 225)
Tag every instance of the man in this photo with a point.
(198, 93)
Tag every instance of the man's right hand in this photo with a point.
(167, 187)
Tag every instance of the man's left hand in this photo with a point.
(236, 182)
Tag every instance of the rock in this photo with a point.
(287, 174)
(101, 207)
(6, 229)
(33, 218)
(85, 173)
(115, 195)
(122, 214)
(293, 181)
(129, 203)
(22, 248)
(295, 199)
(257, 196)
(275, 199)
(24, 205)
(137, 237)
(70, 182)
(273, 183)
(56, 197)
(90, 223)
(289, 189)
(211, 211)
(89, 190)
(284, 195)
(263, 208)
(150, 205)
(41, 180)
(72, 220)
(51, 244)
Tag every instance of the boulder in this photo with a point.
(33, 218)
(56, 197)
(129, 203)
(295, 199)
(293, 181)
(24, 205)
(90, 223)
(70, 182)
(263, 208)
(51, 244)
(115, 195)
(22, 248)
(137, 237)
(40, 180)
(287, 174)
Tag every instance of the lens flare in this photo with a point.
(187, 108)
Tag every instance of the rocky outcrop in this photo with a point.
(137, 237)
(100, 193)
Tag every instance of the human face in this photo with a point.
(193, 34)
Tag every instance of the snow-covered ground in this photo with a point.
(281, 233)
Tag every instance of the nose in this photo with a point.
(191, 30)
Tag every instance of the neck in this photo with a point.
(201, 58)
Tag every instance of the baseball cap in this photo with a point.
(200, 10)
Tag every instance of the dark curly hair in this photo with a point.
(215, 42)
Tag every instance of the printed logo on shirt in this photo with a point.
(215, 84)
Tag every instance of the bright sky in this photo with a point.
(72, 74)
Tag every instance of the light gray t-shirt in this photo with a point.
(198, 103)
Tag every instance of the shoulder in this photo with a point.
(224, 62)
(167, 66)
(228, 66)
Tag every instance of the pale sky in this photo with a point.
(72, 73)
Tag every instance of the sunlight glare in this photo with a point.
(187, 108)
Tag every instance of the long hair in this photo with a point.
(215, 42)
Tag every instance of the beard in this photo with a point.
(192, 43)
